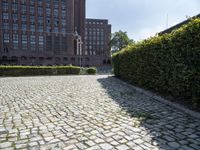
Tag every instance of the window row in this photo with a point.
(24, 41)
(23, 58)
(23, 7)
(94, 22)
(95, 43)
(32, 18)
(40, 12)
(32, 28)
(94, 29)
(94, 38)
(94, 33)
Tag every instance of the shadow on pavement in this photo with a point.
(168, 129)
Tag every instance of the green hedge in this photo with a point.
(35, 70)
(169, 64)
(91, 71)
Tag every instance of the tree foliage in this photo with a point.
(120, 40)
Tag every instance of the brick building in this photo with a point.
(41, 32)
(97, 37)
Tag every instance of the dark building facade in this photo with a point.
(41, 32)
(97, 38)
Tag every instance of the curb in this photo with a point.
(165, 101)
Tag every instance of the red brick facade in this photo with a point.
(97, 37)
(41, 33)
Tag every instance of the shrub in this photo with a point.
(91, 70)
(38, 70)
(169, 64)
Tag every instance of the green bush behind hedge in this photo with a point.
(38, 70)
(169, 64)
(91, 70)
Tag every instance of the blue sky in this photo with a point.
(142, 18)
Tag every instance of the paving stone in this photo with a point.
(5, 145)
(138, 141)
(90, 113)
(81, 146)
(20, 146)
(47, 139)
(185, 147)
(99, 141)
(106, 146)
(33, 144)
(122, 147)
(195, 146)
(94, 148)
(70, 147)
(114, 143)
(168, 138)
(174, 144)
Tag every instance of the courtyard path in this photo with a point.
(89, 113)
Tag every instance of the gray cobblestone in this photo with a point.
(89, 113)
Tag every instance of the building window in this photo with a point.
(63, 4)
(56, 3)
(32, 19)
(56, 30)
(63, 13)
(24, 41)
(48, 29)
(5, 16)
(56, 22)
(15, 17)
(23, 18)
(48, 11)
(14, 7)
(23, 1)
(23, 8)
(40, 2)
(32, 28)
(24, 27)
(40, 28)
(48, 21)
(40, 20)
(15, 26)
(6, 26)
(33, 42)
(32, 10)
(6, 38)
(32, 2)
(40, 10)
(63, 22)
(5, 5)
(55, 12)
(41, 42)
(15, 41)
(48, 3)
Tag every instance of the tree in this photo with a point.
(120, 40)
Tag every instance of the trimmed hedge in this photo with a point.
(91, 71)
(38, 70)
(168, 64)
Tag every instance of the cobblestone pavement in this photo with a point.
(88, 113)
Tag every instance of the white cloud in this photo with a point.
(147, 32)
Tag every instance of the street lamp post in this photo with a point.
(79, 46)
